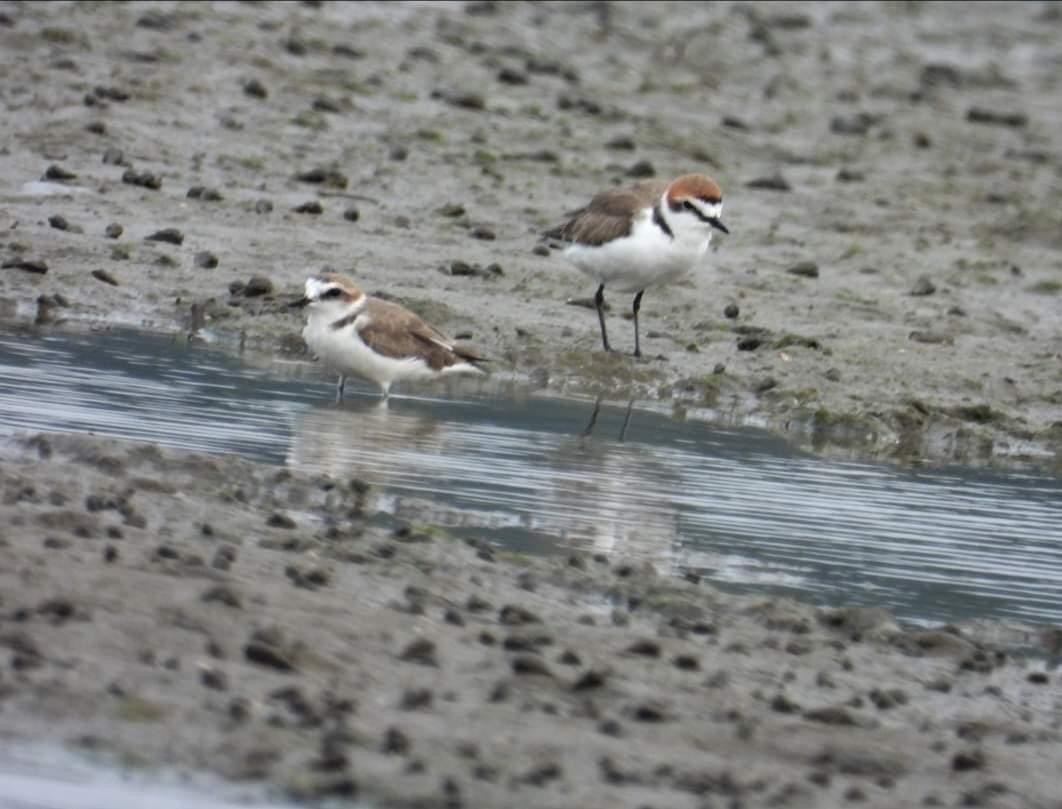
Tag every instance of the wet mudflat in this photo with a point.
(890, 289)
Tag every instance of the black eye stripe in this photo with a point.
(332, 293)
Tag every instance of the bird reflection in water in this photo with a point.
(361, 438)
(612, 499)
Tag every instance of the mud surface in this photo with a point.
(891, 175)
(170, 609)
(892, 182)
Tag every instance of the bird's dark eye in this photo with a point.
(334, 292)
(688, 205)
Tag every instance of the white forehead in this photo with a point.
(711, 210)
(315, 287)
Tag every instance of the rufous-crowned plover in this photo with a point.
(641, 236)
(356, 334)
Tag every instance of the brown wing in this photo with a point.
(608, 215)
(398, 333)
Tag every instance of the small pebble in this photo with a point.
(923, 286)
(113, 230)
(255, 89)
(206, 260)
(512, 76)
(56, 173)
(352, 214)
(262, 206)
(106, 277)
(168, 235)
(205, 194)
(641, 169)
(215, 679)
(26, 264)
(311, 207)
(113, 156)
(805, 269)
(144, 179)
(774, 182)
(731, 311)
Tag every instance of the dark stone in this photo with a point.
(641, 169)
(310, 207)
(279, 520)
(483, 232)
(206, 260)
(205, 194)
(144, 179)
(966, 760)
(58, 174)
(805, 269)
(590, 679)
(352, 214)
(731, 311)
(106, 277)
(215, 679)
(923, 286)
(395, 742)
(858, 124)
(774, 182)
(509, 75)
(513, 615)
(530, 664)
(645, 647)
(113, 156)
(25, 264)
(323, 175)
(168, 235)
(326, 104)
(266, 647)
(982, 115)
(749, 342)
(414, 699)
(113, 230)
(422, 651)
(257, 286)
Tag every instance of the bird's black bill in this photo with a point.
(717, 223)
(301, 302)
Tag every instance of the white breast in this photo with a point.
(647, 257)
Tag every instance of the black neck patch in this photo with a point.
(658, 220)
(344, 321)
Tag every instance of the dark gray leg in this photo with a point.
(626, 421)
(339, 387)
(599, 302)
(593, 417)
(637, 305)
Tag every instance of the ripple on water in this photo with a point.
(738, 506)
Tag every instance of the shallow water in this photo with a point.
(740, 507)
(44, 777)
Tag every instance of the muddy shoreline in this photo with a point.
(167, 608)
(894, 262)
(891, 176)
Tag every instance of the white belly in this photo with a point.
(646, 258)
(344, 353)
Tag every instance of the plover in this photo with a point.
(641, 236)
(356, 334)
